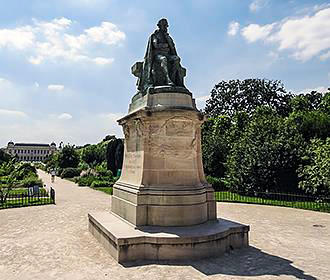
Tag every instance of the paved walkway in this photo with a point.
(53, 242)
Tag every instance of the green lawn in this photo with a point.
(290, 201)
(14, 191)
(26, 202)
(107, 190)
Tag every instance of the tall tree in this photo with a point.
(230, 97)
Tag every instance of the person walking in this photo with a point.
(52, 173)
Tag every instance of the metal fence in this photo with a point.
(276, 199)
(42, 197)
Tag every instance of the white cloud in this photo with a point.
(320, 89)
(202, 98)
(325, 56)
(305, 36)
(64, 116)
(18, 38)
(254, 32)
(51, 40)
(55, 87)
(111, 117)
(108, 33)
(102, 60)
(233, 28)
(256, 5)
(36, 84)
(12, 113)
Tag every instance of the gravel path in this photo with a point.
(53, 242)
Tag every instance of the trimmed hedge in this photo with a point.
(70, 172)
(30, 182)
(101, 184)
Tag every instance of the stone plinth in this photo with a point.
(162, 182)
(126, 243)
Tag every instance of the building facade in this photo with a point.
(30, 151)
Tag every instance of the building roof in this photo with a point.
(31, 145)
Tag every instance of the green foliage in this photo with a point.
(217, 183)
(67, 157)
(103, 171)
(215, 144)
(218, 136)
(230, 97)
(257, 136)
(325, 102)
(315, 172)
(267, 155)
(70, 172)
(306, 102)
(101, 184)
(24, 170)
(30, 182)
(5, 189)
(114, 154)
(4, 157)
(7, 168)
(311, 123)
(19, 175)
(311, 114)
(83, 165)
(93, 154)
(86, 180)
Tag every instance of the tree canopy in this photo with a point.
(258, 137)
(230, 97)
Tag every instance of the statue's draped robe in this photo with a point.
(145, 81)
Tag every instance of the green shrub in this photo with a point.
(217, 183)
(103, 171)
(85, 180)
(83, 166)
(30, 182)
(314, 173)
(24, 170)
(70, 172)
(101, 184)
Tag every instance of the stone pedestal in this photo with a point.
(125, 243)
(162, 187)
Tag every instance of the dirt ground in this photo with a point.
(53, 242)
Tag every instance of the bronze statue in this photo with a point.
(161, 66)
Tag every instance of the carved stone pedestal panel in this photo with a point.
(162, 180)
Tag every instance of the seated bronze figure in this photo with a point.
(161, 65)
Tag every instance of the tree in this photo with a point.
(230, 97)
(311, 114)
(68, 157)
(218, 136)
(4, 157)
(266, 156)
(5, 190)
(306, 102)
(24, 170)
(115, 155)
(315, 170)
(93, 154)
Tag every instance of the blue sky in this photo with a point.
(65, 64)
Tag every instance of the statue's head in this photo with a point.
(163, 24)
